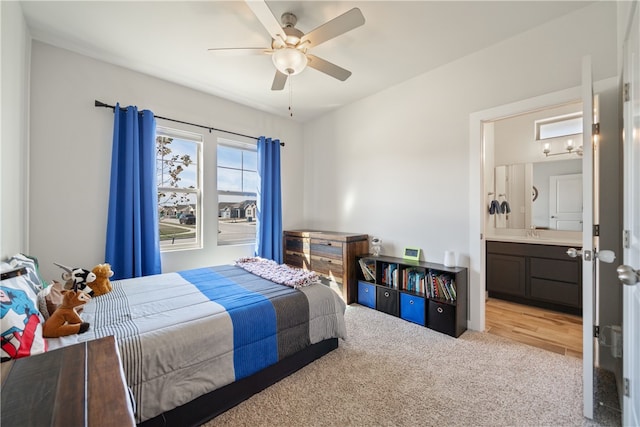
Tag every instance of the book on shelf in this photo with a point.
(413, 280)
(441, 286)
(390, 275)
(367, 272)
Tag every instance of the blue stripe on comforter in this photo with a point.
(253, 316)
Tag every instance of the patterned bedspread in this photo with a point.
(184, 334)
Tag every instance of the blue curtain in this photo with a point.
(269, 201)
(133, 240)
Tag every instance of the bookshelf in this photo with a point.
(425, 293)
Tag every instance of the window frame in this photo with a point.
(198, 140)
(539, 124)
(240, 145)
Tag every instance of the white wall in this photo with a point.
(515, 139)
(396, 164)
(15, 51)
(71, 155)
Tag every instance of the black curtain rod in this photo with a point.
(102, 104)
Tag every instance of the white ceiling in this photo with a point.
(169, 40)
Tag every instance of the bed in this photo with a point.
(195, 343)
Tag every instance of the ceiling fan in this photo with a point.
(289, 45)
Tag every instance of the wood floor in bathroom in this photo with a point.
(550, 330)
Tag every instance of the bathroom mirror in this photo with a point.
(545, 194)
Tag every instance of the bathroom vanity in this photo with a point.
(535, 272)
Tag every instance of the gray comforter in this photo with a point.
(184, 334)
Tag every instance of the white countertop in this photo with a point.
(543, 240)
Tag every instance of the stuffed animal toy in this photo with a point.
(101, 285)
(65, 320)
(77, 278)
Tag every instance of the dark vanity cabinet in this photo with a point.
(534, 274)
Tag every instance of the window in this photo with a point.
(237, 191)
(178, 171)
(554, 127)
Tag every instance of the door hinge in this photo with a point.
(596, 331)
(625, 92)
(595, 128)
(627, 392)
(626, 239)
(596, 229)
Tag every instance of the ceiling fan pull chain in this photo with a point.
(290, 95)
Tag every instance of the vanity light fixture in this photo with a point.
(569, 149)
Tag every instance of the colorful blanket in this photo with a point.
(278, 273)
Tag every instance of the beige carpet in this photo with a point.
(389, 372)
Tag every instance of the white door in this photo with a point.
(565, 202)
(588, 240)
(631, 221)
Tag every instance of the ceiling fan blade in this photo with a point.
(337, 26)
(266, 18)
(279, 81)
(328, 68)
(236, 51)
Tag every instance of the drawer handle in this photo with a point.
(386, 294)
(439, 310)
(410, 301)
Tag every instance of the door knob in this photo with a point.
(628, 275)
(573, 252)
(606, 256)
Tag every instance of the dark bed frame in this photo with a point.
(208, 406)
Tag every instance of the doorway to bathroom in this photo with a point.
(533, 186)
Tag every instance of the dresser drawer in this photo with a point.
(367, 294)
(412, 308)
(328, 267)
(297, 259)
(297, 244)
(326, 248)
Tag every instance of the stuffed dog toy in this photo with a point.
(65, 320)
(101, 285)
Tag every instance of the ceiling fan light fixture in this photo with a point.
(289, 60)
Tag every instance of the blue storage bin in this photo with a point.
(367, 294)
(412, 308)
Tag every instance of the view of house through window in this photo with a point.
(179, 190)
(237, 191)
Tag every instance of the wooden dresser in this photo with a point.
(79, 385)
(330, 254)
